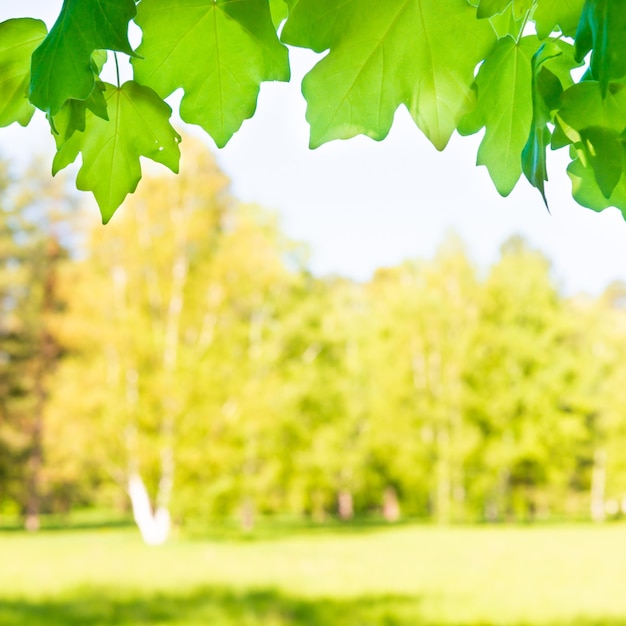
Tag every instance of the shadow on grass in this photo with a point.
(228, 529)
(277, 528)
(89, 521)
(224, 607)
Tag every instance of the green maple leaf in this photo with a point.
(551, 66)
(279, 11)
(522, 7)
(507, 24)
(490, 8)
(504, 107)
(62, 65)
(587, 193)
(418, 53)
(18, 40)
(545, 86)
(603, 28)
(595, 126)
(219, 52)
(552, 14)
(72, 116)
(138, 126)
(605, 153)
(487, 8)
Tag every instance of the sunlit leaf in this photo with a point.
(279, 11)
(504, 107)
(487, 8)
(507, 24)
(72, 116)
(217, 52)
(414, 52)
(138, 126)
(18, 40)
(587, 192)
(552, 14)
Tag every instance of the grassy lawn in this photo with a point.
(409, 575)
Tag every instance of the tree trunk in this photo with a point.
(391, 506)
(345, 505)
(154, 526)
(442, 470)
(598, 482)
(45, 360)
(246, 514)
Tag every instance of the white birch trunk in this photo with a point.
(154, 526)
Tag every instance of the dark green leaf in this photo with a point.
(603, 28)
(595, 125)
(71, 117)
(604, 152)
(582, 106)
(559, 137)
(62, 65)
(547, 87)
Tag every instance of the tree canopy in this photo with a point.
(534, 74)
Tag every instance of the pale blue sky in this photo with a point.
(362, 204)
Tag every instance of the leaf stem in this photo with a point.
(527, 16)
(117, 69)
(521, 30)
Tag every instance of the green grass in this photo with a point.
(405, 576)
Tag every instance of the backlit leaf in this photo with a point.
(504, 107)
(522, 8)
(72, 116)
(487, 8)
(18, 40)
(587, 193)
(594, 125)
(507, 24)
(582, 106)
(552, 14)
(279, 11)
(414, 52)
(217, 52)
(138, 126)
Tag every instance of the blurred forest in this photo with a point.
(186, 355)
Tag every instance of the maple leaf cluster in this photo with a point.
(457, 65)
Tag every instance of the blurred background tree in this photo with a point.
(184, 363)
(35, 237)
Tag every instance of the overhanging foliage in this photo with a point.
(502, 65)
